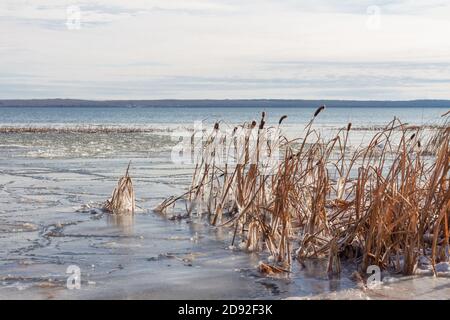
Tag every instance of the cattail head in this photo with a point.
(412, 137)
(419, 144)
(216, 126)
(253, 124)
(234, 130)
(349, 126)
(281, 119)
(261, 124)
(319, 110)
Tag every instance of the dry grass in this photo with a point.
(385, 203)
(123, 199)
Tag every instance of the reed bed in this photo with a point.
(430, 126)
(386, 203)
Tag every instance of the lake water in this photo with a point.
(159, 116)
(47, 179)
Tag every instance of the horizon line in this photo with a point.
(223, 99)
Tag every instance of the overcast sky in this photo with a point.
(194, 49)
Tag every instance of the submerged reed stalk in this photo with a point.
(123, 199)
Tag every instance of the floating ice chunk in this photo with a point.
(424, 261)
(443, 267)
(424, 272)
(390, 279)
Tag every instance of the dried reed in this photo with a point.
(386, 203)
(123, 199)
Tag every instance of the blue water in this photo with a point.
(126, 116)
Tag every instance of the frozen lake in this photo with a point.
(47, 179)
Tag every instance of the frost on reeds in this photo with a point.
(385, 203)
(123, 199)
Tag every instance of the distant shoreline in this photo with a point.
(231, 103)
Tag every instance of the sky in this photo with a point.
(225, 49)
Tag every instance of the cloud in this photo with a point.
(101, 11)
(227, 48)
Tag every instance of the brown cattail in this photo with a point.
(319, 110)
(216, 126)
(261, 124)
(281, 119)
(349, 126)
(419, 144)
(412, 137)
(253, 124)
